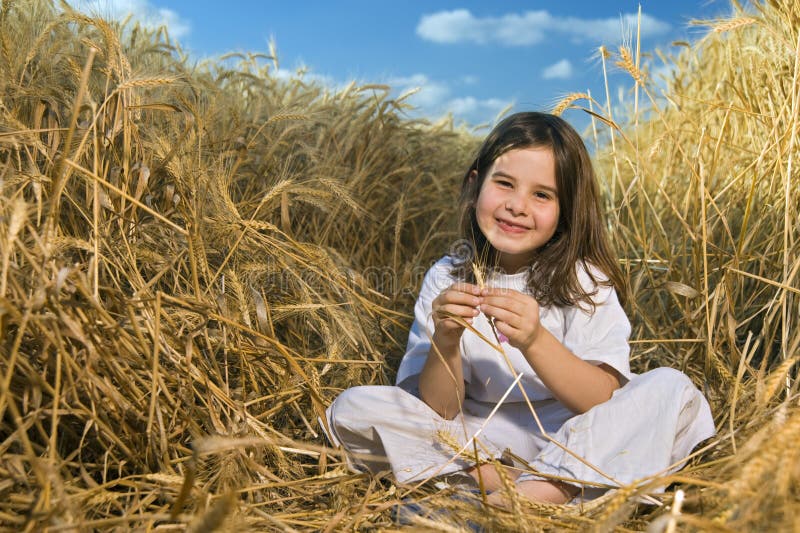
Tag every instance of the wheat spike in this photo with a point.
(567, 101)
(627, 64)
(732, 24)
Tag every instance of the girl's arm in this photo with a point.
(441, 383)
(576, 383)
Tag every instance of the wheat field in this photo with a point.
(196, 258)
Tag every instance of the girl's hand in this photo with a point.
(516, 315)
(460, 299)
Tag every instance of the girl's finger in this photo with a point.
(496, 291)
(504, 302)
(510, 294)
(459, 310)
(498, 313)
(468, 288)
(460, 298)
(508, 331)
(504, 328)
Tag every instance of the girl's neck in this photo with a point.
(515, 265)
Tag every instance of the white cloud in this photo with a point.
(558, 71)
(436, 98)
(431, 93)
(462, 26)
(470, 105)
(611, 29)
(448, 26)
(430, 98)
(303, 72)
(530, 28)
(147, 14)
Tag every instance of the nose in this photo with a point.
(516, 205)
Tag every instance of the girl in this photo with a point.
(530, 206)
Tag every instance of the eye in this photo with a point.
(542, 195)
(503, 183)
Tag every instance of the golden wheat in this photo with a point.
(231, 292)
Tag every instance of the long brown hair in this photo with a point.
(580, 234)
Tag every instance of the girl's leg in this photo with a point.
(386, 427)
(649, 426)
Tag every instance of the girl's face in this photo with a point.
(517, 207)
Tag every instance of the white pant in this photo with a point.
(650, 424)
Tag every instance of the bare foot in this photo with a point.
(491, 479)
(538, 491)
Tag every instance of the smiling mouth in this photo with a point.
(510, 226)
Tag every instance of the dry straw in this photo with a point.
(168, 342)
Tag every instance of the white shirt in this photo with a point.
(599, 337)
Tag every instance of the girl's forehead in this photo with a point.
(524, 149)
(537, 157)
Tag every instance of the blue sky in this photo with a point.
(468, 58)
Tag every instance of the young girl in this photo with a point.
(529, 206)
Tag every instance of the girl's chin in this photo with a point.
(515, 252)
